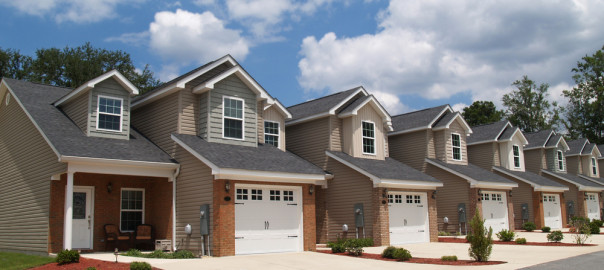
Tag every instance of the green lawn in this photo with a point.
(18, 261)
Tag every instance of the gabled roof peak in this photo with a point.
(324, 106)
(128, 86)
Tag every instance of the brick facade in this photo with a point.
(106, 207)
(381, 222)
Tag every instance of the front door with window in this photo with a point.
(83, 203)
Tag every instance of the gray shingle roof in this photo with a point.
(416, 119)
(576, 146)
(537, 139)
(488, 132)
(601, 148)
(533, 178)
(507, 133)
(593, 179)
(265, 157)
(68, 139)
(319, 105)
(445, 119)
(573, 178)
(553, 140)
(476, 173)
(386, 169)
(588, 149)
(355, 104)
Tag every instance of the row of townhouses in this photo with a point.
(214, 163)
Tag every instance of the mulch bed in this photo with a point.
(554, 244)
(416, 260)
(85, 263)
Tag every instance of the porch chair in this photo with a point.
(144, 235)
(113, 235)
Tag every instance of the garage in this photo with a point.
(593, 206)
(408, 217)
(551, 211)
(268, 219)
(495, 211)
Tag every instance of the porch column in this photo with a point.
(68, 219)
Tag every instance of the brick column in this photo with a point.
(309, 218)
(475, 203)
(538, 209)
(563, 209)
(510, 211)
(581, 205)
(381, 222)
(223, 236)
(432, 216)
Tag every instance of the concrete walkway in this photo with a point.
(517, 257)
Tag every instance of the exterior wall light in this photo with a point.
(227, 186)
(311, 189)
(109, 187)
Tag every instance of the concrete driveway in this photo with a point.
(517, 257)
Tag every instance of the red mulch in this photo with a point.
(85, 263)
(459, 240)
(416, 260)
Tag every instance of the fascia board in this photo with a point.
(92, 83)
(119, 167)
(354, 167)
(516, 177)
(564, 179)
(408, 131)
(306, 119)
(205, 161)
(266, 176)
(333, 110)
(241, 74)
(551, 189)
(393, 183)
(463, 176)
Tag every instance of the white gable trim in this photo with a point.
(473, 182)
(459, 118)
(281, 109)
(376, 106)
(241, 74)
(503, 129)
(532, 184)
(120, 167)
(92, 83)
(360, 89)
(429, 126)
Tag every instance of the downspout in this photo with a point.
(176, 173)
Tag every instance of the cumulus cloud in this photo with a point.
(76, 11)
(437, 49)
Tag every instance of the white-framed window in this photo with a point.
(288, 195)
(232, 118)
(256, 194)
(456, 142)
(560, 159)
(7, 100)
(241, 194)
(594, 168)
(390, 198)
(368, 137)
(398, 198)
(516, 150)
(275, 195)
(132, 209)
(271, 133)
(109, 113)
(417, 199)
(409, 198)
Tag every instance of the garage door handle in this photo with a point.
(239, 203)
(292, 204)
(421, 231)
(240, 237)
(292, 236)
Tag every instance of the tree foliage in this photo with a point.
(71, 67)
(481, 239)
(482, 112)
(585, 110)
(527, 106)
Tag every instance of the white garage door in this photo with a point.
(268, 219)
(408, 217)
(593, 206)
(495, 211)
(551, 211)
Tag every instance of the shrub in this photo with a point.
(599, 222)
(442, 233)
(158, 254)
(555, 236)
(546, 229)
(449, 258)
(521, 241)
(140, 266)
(595, 227)
(388, 252)
(402, 254)
(529, 226)
(354, 247)
(134, 253)
(505, 235)
(572, 229)
(183, 254)
(68, 256)
(481, 240)
(583, 230)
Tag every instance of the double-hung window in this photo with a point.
(560, 160)
(232, 122)
(516, 151)
(132, 209)
(271, 133)
(109, 114)
(456, 142)
(368, 138)
(594, 168)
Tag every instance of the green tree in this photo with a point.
(482, 112)
(14, 65)
(585, 110)
(481, 239)
(527, 106)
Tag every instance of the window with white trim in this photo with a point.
(256, 194)
(232, 121)
(456, 142)
(241, 194)
(368, 137)
(288, 196)
(132, 209)
(594, 168)
(275, 195)
(109, 116)
(560, 159)
(516, 150)
(271, 133)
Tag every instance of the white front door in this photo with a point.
(551, 211)
(408, 217)
(83, 203)
(268, 219)
(593, 206)
(495, 211)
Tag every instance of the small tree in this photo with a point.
(481, 240)
(482, 112)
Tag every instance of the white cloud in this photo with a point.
(391, 103)
(437, 49)
(77, 11)
(459, 107)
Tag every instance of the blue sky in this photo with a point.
(410, 54)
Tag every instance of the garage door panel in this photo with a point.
(408, 218)
(593, 206)
(494, 211)
(552, 213)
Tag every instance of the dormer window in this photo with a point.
(594, 169)
(516, 151)
(560, 160)
(271, 133)
(368, 138)
(109, 114)
(232, 122)
(456, 142)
